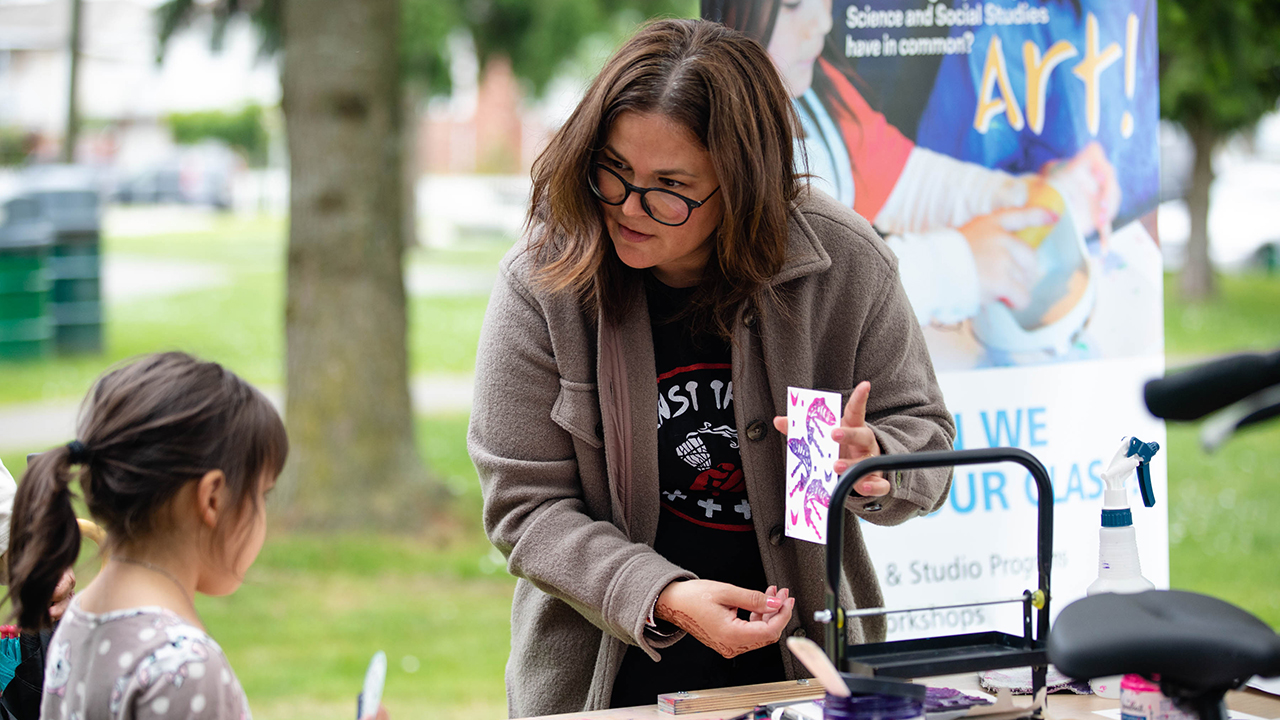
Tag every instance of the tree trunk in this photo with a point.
(71, 132)
(409, 166)
(1197, 279)
(354, 462)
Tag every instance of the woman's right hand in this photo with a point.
(708, 610)
(1007, 268)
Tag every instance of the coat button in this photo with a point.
(749, 318)
(776, 535)
(756, 430)
(600, 430)
(799, 633)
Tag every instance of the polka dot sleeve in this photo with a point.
(187, 678)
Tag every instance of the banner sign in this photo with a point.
(1007, 150)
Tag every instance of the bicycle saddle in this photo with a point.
(1194, 642)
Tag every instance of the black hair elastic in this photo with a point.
(78, 453)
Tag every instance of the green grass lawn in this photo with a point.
(1224, 518)
(241, 324)
(1224, 509)
(1244, 318)
(314, 608)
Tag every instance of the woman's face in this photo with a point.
(652, 151)
(797, 39)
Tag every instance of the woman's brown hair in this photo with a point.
(723, 87)
(146, 429)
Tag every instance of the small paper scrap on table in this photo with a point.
(811, 454)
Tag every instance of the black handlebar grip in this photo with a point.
(1194, 393)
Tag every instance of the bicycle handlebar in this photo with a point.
(1194, 393)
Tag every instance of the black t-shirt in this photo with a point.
(705, 524)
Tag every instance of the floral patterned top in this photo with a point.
(142, 663)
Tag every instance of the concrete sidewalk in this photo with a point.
(36, 426)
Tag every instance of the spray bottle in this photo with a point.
(1119, 570)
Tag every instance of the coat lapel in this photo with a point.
(629, 402)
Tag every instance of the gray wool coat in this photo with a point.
(564, 437)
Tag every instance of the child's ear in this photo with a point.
(211, 501)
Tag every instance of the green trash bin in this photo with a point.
(26, 324)
(69, 202)
(75, 300)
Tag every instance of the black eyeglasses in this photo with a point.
(670, 209)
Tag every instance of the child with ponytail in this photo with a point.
(175, 457)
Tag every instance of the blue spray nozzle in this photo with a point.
(1145, 451)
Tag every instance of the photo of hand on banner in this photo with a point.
(1090, 187)
(1000, 257)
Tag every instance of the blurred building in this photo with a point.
(484, 126)
(123, 93)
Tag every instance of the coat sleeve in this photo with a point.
(905, 408)
(527, 426)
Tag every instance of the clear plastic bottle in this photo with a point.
(1119, 569)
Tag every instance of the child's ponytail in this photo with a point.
(44, 539)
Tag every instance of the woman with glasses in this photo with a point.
(676, 277)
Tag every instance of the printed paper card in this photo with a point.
(811, 416)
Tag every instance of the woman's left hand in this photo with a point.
(708, 610)
(772, 592)
(62, 595)
(857, 441)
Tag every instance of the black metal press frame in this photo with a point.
(1033, 647)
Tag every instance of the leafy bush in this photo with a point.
(14, 146)
(245, 131)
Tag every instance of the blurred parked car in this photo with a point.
(197, 174)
